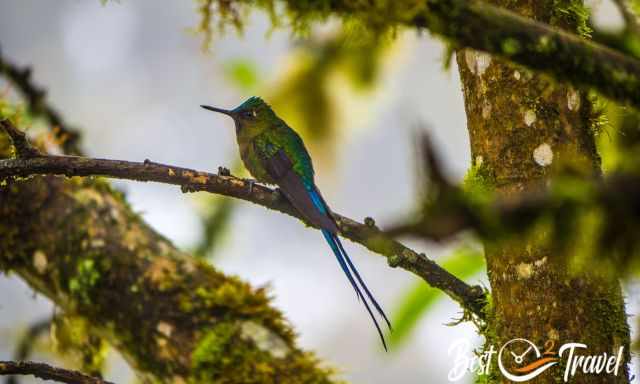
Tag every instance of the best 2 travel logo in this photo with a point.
(520, 360)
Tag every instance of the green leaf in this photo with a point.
(464, 262)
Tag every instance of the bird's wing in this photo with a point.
(306, 198)
(301, 195)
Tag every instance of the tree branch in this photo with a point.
(630, 19)
(191, 180)
(35, 96)
(485, 27)
(175, 319)
(615, 194)
(47, 372)
(538, 46)
(20, 141)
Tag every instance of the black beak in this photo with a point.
(219, 110)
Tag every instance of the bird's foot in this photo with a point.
(280, 195)
(188, 188)
(251, 182)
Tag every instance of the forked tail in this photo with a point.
(348, 268)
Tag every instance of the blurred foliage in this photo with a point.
(74, 339)
(618, 146)
(17, 113)
(215, 221)
(627, 39)
(218, 14)
(590, 222)
(35, 339)
(216, 211)
(635, 6)
(243, 73)
(377, 18)
(598, 113)
(310, 87)
(464, 262)
(572, 12)
(306, 92)
(41, 135)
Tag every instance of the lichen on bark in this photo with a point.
(525, 128)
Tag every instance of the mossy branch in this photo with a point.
(174, 318)
(566, 56)
(485, 27)
(190, 180)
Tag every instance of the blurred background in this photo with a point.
(131, 76)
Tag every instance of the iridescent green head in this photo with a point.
(250, 117)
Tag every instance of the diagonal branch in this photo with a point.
(470, 297)
(47, 372)
(35, 97)
(20, 141)
(630, 19)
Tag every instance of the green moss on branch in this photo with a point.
(481, 26)
(155, 304)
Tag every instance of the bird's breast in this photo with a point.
(254, 164)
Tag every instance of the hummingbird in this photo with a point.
(275, 154)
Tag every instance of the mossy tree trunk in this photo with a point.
(522, 126)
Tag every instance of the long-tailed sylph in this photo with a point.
(275, 154)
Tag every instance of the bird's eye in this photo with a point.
(250, 114)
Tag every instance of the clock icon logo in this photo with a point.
(527, 360)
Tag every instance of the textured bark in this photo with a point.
(521, 125)
(174, 318)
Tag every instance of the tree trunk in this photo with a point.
(522, 126)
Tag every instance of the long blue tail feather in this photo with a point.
(364, 286)
(347, 265)
(338, 251)
(301, 191)
(334, 247)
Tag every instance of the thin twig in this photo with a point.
(47, 372)
(35, 97)
(20, 141)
